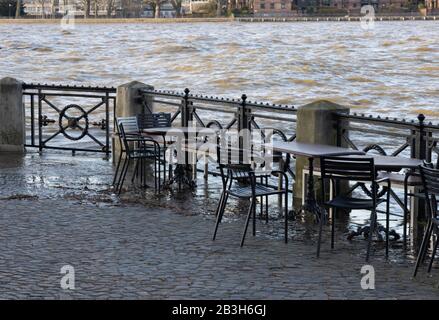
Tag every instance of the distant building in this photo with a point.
(274, 7)
(194, 6)
(166, 11)
(432, 5)
(303, 7)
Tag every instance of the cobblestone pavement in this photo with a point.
(52, 214)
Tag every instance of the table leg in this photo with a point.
(310, 201)
(183, 174)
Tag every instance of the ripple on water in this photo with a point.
(304, 82)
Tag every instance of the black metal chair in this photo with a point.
(355, 169)
(131, 130)
(239, 180)
(157, 120)
(135, 147)
(430, 180)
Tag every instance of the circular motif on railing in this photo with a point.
(73, 119)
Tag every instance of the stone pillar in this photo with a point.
(128, 104)
(317, 123)
(12, 120)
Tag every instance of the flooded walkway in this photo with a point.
(58, 210)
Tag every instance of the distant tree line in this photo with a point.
(11, 8)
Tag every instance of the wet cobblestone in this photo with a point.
(52, 214)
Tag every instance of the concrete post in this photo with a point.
(128, 105)
(316, 123)
(12, 120)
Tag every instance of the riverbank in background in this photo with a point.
(224, 19)
(115, 20)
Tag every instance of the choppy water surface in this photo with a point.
(393, 69)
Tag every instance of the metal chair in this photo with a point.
(430, 180)
(157, 120)
(135, 147)
(131, 130)
(239, 181)
(355, 169)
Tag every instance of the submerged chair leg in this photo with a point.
(433, 253)
(254, 218)
(387, 223)
(250, 211)
(117, 169)
(405, 218)
(286, 216)
(334, 213)
(220, 212)
(124, 173)
(136, 171)
(373, 218)
(122, 170)
(422, 249)
(319, 241)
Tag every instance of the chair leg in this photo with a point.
(136, 170)
(250, 211)
(387, 223)
(319, 241)
(334, 213)
(266, 202)
(117, 170)
(262, 202)
(286, 216)
(122, 169)
(423, 248)
(405, 218)
(254, 218)
(433, 253)
(220, 212)
(373, 217)
(219, 203)
(124, 173)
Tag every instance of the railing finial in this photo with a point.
(421, 118)
(186, 91)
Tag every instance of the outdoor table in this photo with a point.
(311, 151)
(389, 163)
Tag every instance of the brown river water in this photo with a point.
(392, 69)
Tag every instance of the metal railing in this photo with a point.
(390, 136)
(74, 118)
(224, 113)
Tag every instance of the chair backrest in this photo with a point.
(129, 124)
(233, 164)
(348, 168)
(153, 120)
(126, 125)
(430, 180)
